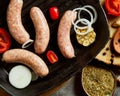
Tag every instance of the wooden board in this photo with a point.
(108, 54)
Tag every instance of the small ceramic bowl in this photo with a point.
(98, 80)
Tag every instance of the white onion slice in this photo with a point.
(20, 76)
(88, 27)
(95, 12)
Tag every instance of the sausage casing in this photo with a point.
(14, 21)
(63, 35)
(28, 58)
(41, 28)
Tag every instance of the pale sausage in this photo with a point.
(41, 29)
(28, 58)
(14, 22)
(63, 35)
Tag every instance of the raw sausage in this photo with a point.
(28, 58)
(41, 28)
(14, 22)
(63, 35)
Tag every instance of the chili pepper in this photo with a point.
(5, 40)
(52, 57)
(113, 7)
(54, 13)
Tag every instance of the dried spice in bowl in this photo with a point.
(98, 81)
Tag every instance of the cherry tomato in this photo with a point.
(5, 40)
(113, 7)
(54, 13)
(52, 57)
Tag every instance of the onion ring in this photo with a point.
(87, 23)
(27, 43)
(80, 9)
(88, 27)
(73, 12)
(95, 12)
(92, 19)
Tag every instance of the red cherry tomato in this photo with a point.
(5, 40)
(54, 13)
(52, 57)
